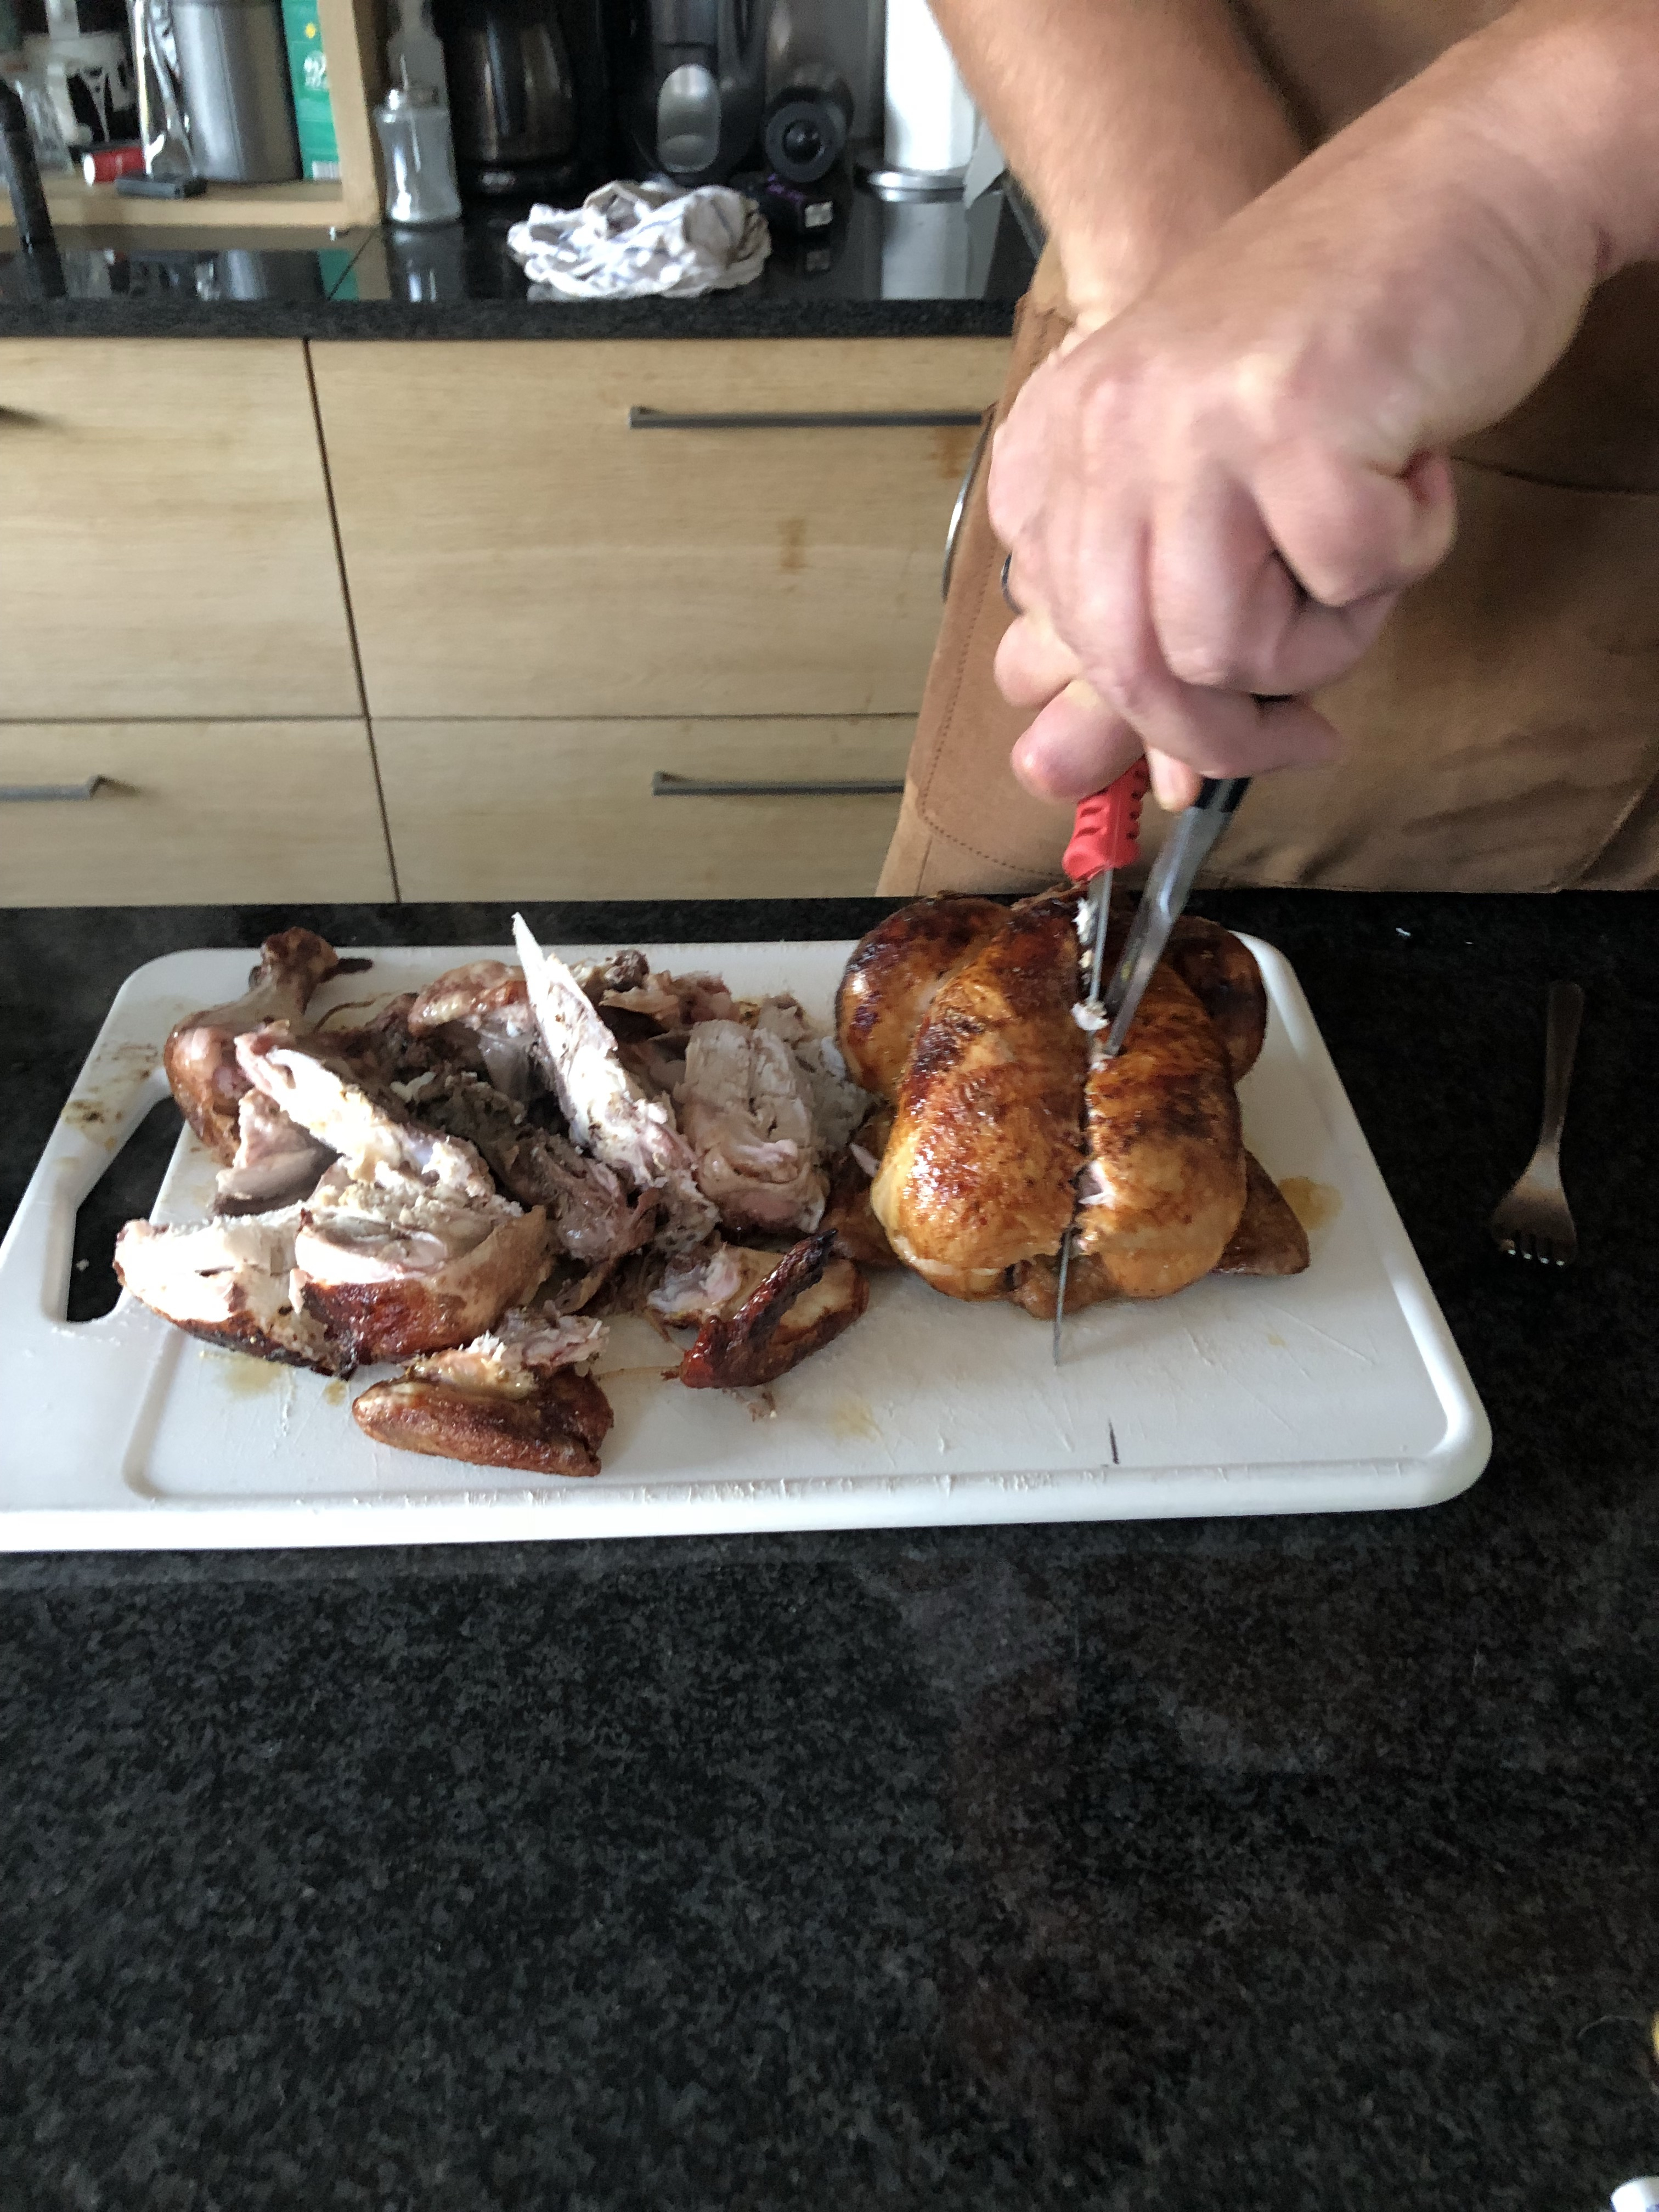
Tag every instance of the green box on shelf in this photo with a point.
(313, 111)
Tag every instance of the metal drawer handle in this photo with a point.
(89, 789)
(874, 418)
(961, 507)
(664, 784)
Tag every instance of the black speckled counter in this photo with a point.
(911, 270)
(1261, 1865)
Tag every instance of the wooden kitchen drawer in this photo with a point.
(541, 810)
(166, 546)
(513, 547)
(190, 812)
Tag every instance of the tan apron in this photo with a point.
(1503, 733)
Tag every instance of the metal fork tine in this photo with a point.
(1532, 1220)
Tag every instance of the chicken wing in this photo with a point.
(1220, 972)
(802, 1303)
(1164, 1186)
(979, 1172)
(894, 975)
(200, 1052)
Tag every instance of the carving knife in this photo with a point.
(1105, 836)
(1161, 904)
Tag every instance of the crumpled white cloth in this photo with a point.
(630, 241)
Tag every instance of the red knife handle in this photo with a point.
(1107, 831)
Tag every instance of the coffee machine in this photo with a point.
(696, 86)
(529, 96)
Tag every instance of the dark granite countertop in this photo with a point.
(1266, 1864)
(921, 269)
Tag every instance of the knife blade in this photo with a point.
(1164, 899)
(1105, 836)
(1169, 886)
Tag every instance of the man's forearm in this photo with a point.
(1138, 126)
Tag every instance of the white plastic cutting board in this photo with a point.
(1337, 1389)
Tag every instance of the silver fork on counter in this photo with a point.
(1532, 1222)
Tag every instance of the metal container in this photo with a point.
(233, 62)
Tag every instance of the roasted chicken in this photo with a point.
(1163, 1187)
(894, 975)
(979, 1173)
(1004, 1130)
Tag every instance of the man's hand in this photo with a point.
(1214, 502)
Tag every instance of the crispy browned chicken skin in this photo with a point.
(978, 1174)
(1269, 1240)
(1221, 974)
(893, 976)
(554, 1427)
(1164, 1186)
(806, 1301)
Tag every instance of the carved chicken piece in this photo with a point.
(200, 1054)
(487, 1003)
(406, 1243)
(512, 1398)
(390, 1268)
(1164, 1186)
(671, 1002)
(1269, 1240)
(979, 1172)
(231, 1283)
(894, 975)
(803, 1302)
(607, 1111)
(745, 1113)
(593, 1219)
(372, 1131)
(277, 1163)
(1221, 973)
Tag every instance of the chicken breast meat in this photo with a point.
(232, 1283)
(608, 1113)
(986, 1142)
(406, 1244)
(200, 1054)
(746, 1113)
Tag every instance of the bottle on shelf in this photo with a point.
(420, 157)
(414, 51)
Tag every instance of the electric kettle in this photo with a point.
(512, 99)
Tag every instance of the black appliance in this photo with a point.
(698, 85)
(806, 126)
(529, 96)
